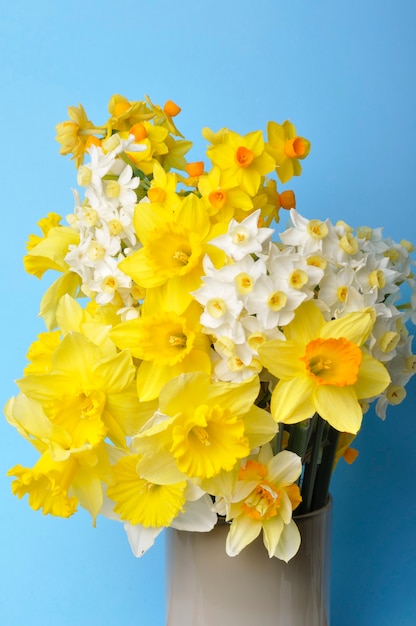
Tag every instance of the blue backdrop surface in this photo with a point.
(343, 72)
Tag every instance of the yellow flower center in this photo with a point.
(392, 254)
(263, 502)
(95, 251)
(317, 261)
(139, 131)
(112, 189)
(297, 279)
(395, 394)
(121, 107)
(156, 194)
(295, 148)
(411, 363)
(115, 227)
(163, 339)
(173, 251)
(255, 340)
(208, 441)
(90, 217)
(244, 156)
(342, 293)
(364, 232)
(217, 198)
(317, 229)
(377, 279)
(389, 341)
(244, 283)
(277, 300)
(109, 284)
(333, 361)
(348, 243)
(239, 235)
(216, 307)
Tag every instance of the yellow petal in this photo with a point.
(339, 407)
(306, 324)
(373, 378)
(281, 358)
(355, 326)
(292, 400)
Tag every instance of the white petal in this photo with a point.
(141, 538)
(242, 531)
(289, 542)
(284, 468)
(197, 516)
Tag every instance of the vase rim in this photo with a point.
(316, 512)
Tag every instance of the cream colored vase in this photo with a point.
(205, 587)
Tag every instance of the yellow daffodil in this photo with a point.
(163, 116)
(57, 486)
(47, 485)
(174, 158)
(242, 161)
(222, 203)
(263, 499)
(207, 428)
(287, 148)
(322, 368)
(89, 395)
(162, 189)
(167, 345)
(152, 139)
(64, 475)
(48, 252)
(170, 260)
(75, 134)
(140, 501)
(124, 113)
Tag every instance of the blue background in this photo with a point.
(344, 73)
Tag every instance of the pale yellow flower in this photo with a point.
(322, 368)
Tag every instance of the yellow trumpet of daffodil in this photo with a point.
(90, 395)
(64, 475)
(167, 345)
(169, 265)
(322, 368)
(207, 427)
(140, 501)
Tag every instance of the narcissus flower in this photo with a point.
(173, 248)
(167, 344)
(89, 395)
(74, 134)
(263, 499)
(322, 368)
(287, 148)
(242, 160)
(201, 429)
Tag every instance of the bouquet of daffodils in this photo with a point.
(197, 364)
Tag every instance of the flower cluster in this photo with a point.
(196, 364)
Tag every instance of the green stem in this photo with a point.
(299, 437)
(311, 468)
(277, 440)
(324, 473)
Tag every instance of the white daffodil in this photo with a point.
(243, 237)
(272, 302)
(306, 235)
